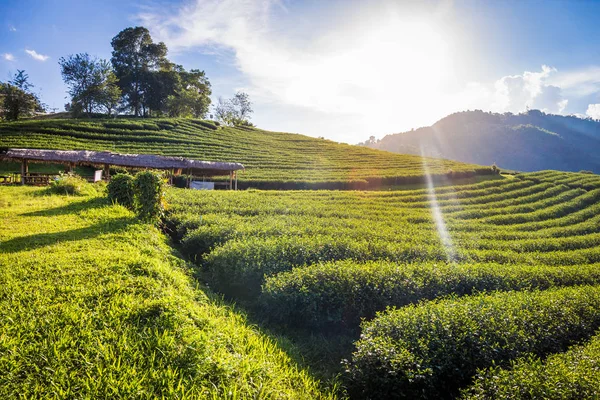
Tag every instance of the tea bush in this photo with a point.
(569, 375)
(338, 295)
(149, 195)
(121, 190)
(432, 349)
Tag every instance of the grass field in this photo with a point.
(96, 305)
(273, 160)
(478, 277)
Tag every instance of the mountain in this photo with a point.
(272, 159)
(526, 142)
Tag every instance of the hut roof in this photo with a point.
(121, 160)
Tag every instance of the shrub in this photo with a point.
(180, 181)
(433, 349)
(149, 196)
(71, 184)
(337, 295)
(121, 190)
(238, 268)
(118, 170)
(570, 375)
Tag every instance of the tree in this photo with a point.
(92, 83)
(134, 56)
(17, 100)
(191, 97)
(235, 111)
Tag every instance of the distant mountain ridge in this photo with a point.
(526, 142)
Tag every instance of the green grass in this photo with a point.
(95, 305)
(273, 160)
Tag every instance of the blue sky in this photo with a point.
(340, 69)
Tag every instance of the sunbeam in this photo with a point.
(437, 213)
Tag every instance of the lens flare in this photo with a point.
(443, 233)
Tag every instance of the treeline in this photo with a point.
(138, 80)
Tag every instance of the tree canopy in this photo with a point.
(16, 98)
(92, 84)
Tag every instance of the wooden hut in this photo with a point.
(107, 159)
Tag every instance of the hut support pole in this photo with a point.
(24, 170)
(235, 180)
(230, 180)
(71, 167)
(107, 172)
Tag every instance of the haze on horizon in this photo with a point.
(344, 70)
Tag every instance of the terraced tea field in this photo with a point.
(273, 160)
(478, 278)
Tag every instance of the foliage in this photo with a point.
(429, 350)
(191, 97)
(149, 195)
(272, 160)
(338, 295)
(235, 111)
(151, 84)
(71, 184)
(134, 56)
(92, 84)
(313, 263)
(569, 375)
(94, 305)
(17, 100)
(121, 190)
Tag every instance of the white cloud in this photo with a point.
(377, 68)
(37, 56)
(515, 93)
(376, 62)
(593, 111)
(12, 28)
(579, 82)
(8, 57)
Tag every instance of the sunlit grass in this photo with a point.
(94, 305)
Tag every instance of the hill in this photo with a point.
(465, 278)
(272, 159)
(526, 142)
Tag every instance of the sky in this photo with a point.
(344, 70)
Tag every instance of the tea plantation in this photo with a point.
(273, 160)
(485, 290)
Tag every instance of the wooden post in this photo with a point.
(71, 167)
(24, 170)
(107, 172)
(230, 180)
(235, 180)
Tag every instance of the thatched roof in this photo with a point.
(121, 160)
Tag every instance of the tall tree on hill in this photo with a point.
(17, 100)
(92, 83)
(191, 97)
(134, 56)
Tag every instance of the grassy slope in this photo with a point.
(268, 156)
(95, 306)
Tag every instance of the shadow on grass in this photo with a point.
(32, 242)
(71, 208)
